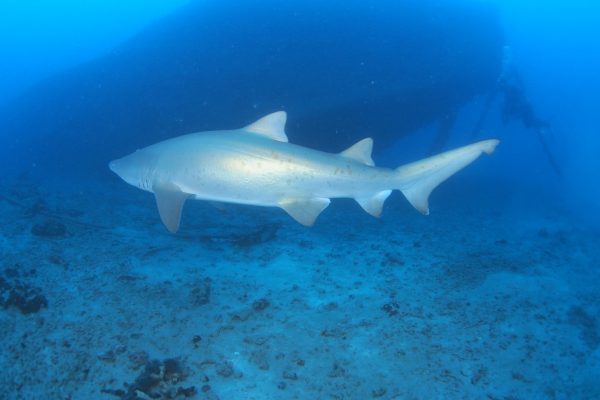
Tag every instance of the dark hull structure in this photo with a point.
(342, 71)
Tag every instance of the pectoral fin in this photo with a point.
(305, 211)
(169, 200)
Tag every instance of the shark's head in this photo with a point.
(135, 169)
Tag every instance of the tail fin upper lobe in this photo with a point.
(418, 179)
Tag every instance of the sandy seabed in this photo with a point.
(493, 296)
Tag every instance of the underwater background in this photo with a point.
(491, 296)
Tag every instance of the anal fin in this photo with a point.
(305, 211)
(169, 200)
(374, 204)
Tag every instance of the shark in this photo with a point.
(256, 165)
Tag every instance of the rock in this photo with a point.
(200, 294)
(120, 393)
(196, 340)
(13, 272)
(290, 375)
(107, 356)
(391, 308)
(587, 323)
(259, 358)
(225, 369)
(49, 229)
(391, 259)
(186, 392)
(138, 359)
(157, 381)
(335, 332)
(241, 315)
(148, 380)
(28, 302)
(258, 340)
(27, 299)
(260, 235)
(172, 370)
(56, 259)
(260, 304)
(337, 370)
(478, 375)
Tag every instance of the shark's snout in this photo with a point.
(134, 168)
(112, 166)
(119, 167)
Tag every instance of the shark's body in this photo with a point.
(256, 165)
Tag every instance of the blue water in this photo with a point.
(493, 295)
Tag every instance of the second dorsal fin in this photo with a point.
(360, 151)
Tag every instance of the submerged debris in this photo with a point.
(158, 380)
(49, 229)
(260, 304)
(16, 293)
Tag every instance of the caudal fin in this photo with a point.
(418, 179)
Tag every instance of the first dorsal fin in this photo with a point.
(271, 126)
(360, 151)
